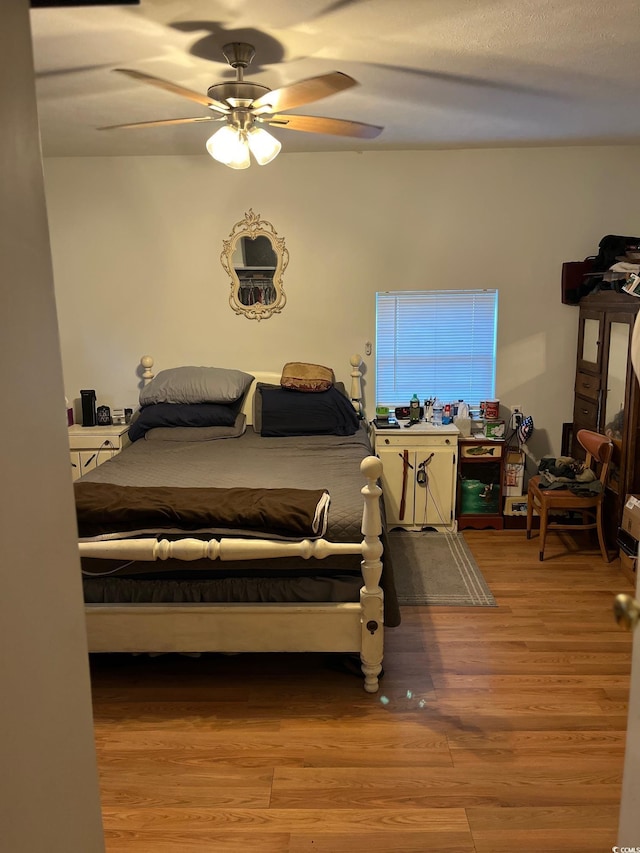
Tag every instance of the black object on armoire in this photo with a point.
(607, 396)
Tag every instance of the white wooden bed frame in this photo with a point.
(228, 627)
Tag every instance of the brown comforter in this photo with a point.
(105, 509)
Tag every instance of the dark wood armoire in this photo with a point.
(607, 394)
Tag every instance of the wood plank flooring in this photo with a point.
(496, 729)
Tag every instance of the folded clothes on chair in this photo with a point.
(564, 472)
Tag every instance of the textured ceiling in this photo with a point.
(434, 73)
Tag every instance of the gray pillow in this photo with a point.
(196, 385)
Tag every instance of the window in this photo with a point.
(436, 343)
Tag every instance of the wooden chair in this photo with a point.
(599, 449)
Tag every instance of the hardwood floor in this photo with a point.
(496, 729)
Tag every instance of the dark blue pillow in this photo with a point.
(286, 412)
(182, 415)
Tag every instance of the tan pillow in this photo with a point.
(302, 376)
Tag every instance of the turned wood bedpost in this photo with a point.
(147, 363)
(356, 383)
(371, 594)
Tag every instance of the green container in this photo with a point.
(478, 498)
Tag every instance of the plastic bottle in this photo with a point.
(463, 419)
(414, 409)
(446, 413)
(437, 412)
(428, 410)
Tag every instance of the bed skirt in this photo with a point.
(247, 590)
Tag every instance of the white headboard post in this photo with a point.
(356, 383)
(147, 362)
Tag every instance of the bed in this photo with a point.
(263, 534)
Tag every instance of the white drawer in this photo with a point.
(488, 450)
(405, 439)
(93, 438)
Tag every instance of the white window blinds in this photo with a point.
(436, 343)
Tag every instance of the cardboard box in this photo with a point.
(514, 505)
(628, 566)
(514, 473)
(631, 516)
(494, 429)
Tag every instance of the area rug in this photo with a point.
(437, 568)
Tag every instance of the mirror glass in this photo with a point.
(254, 262)
(614, 403)
(255, 259)
(590, 340)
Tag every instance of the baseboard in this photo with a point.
(519, 522)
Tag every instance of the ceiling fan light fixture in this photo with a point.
(228, 145)
(245, 105)
(263, 145)
(241, 159)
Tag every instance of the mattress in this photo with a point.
(251, 461)
(248, 461)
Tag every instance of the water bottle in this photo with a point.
(437, 412)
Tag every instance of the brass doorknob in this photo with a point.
(626, 610)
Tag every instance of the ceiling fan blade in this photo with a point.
(304, 92)
(160, 122)
(318, 124)
(205, 100)
(78, 69)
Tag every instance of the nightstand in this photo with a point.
(91, 446)
(418, 475)
(481, 477)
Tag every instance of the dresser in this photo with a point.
(418, 475)
(606, 397)
(91, 446)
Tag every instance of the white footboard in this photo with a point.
(356, 627)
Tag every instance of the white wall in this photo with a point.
(136, 245)
(48, 781)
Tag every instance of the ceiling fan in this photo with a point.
(244, 107)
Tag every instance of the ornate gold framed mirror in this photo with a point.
(255, 259)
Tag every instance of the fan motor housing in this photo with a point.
(239, 90)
